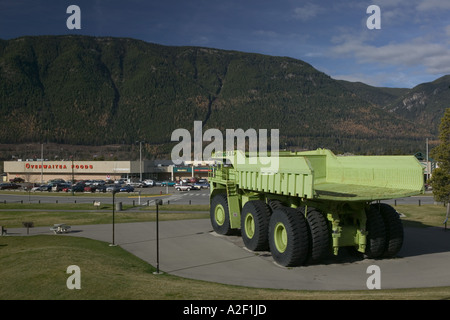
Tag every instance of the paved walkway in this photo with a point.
(190, 249)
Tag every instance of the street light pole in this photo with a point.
(158, 202)
(73, 179)
(113, 244)
(42, 163)
(140, 159)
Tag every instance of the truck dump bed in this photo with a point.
(320, 174)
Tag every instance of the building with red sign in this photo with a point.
(43, 171)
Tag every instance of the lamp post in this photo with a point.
(113, 244)
(140, 159)
(73, 179)
(42, 163)
(157, 202)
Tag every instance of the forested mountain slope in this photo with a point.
(97, 91)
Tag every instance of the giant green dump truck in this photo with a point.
(304, 206)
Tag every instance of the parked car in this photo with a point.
(183, 187)
(202, 185)
(79, 187)
(90, 188)
(45, 187)
(126, 188)
(100, 188)
(149, 183)
(35, 188)
(136, 184)
(113, 187)
(167, 183)
(8, 186)
(195, 186)
(60, 186)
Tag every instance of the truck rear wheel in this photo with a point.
(219, 214)
(376, 233)
(320, 235)
(394, 229)
(255, 217)
(288, 237)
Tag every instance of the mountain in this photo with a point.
(376, 95)
(424, 104)
(97, 91)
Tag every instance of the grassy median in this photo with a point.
(12, 214)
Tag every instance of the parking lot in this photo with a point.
(142, 196)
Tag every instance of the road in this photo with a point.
(146, 195)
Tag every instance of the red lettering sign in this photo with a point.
(59, 166)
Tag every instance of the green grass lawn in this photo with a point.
(422, 216)
(48, 214)
(35, 267)
(81, 214)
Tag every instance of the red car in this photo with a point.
(90, 188)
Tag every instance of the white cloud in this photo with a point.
(435, 57)
(307, 12)
(433, 5)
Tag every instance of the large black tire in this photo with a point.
(394, 229)
(255, 217)
(275, 204)
(220, 215)
(288, 237)
(320, 234)
(376, 233)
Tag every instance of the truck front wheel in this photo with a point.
(288, 237)
(255, 217)
(219, 214)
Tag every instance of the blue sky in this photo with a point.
(412, 46)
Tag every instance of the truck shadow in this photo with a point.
(421, 240)
(426, 240)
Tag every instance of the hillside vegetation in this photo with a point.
(81, 90)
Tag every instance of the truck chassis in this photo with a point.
(314, 204)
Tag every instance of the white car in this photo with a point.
(183, 187)
(36, 189)
(149, 183)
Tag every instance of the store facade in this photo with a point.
(43, 171)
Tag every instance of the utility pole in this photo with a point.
(428, 166)
(140, 159)
(42, 163)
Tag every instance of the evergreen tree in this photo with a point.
(440, 180)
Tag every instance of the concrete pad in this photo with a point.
(190, 249)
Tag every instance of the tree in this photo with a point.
(440, 181)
